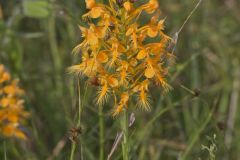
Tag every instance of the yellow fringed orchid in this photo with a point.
(116, 53)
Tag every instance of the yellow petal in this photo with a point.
(118, 110)
(144, 100)
(19, 134)
(83, 30)
(113, 82)
(149, 73)
(161, 24)
(5, 102)
(77, 68)
(13, 118)
(136, 88)
(5, 77)
(152, 32)
(127, 6)
(151, 6)
(92, 39)
(8, 130)
(133, 62)
(95, 12)
(102, 94)
(122, 103)
(142, 54)
(129, 31)
(90, 3)
(154, 3)
(100, 32)
(102, 57)
(124, 98)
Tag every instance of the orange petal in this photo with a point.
(118, 110)
(5, 77)
(151, 6)
(102, 57)
(149, 73)
(92, 39)
(133, 62)
(129, 31)
(19, 134)
(13, 118)
(152, 32)
(113, 82)
(8, 130)
(96, 12)
(142, 54)
(127, 6)
(161, 24)
(90, 3)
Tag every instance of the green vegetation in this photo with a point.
(36, 41)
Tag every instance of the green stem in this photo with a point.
(101, 133)
(74, 145)
(125, 144)
(73, 150)
(79, 104)
(5, 150)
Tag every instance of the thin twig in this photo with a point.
(189, 16)
(176, 35)
(57, 149)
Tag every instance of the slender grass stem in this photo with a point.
(197, 134)
(125, 143)
(79, 104)
(57, 64)
(5, 150)
(73, 151)
(101, 133)
(80, 107)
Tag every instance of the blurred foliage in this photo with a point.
(36, 39)
(36, 9)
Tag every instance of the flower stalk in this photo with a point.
(101, 133)
(125, 143)
(80, 107)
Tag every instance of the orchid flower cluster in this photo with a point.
(12, 112)
(121, 56)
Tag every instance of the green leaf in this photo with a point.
(36, 9)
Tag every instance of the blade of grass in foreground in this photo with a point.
(197, 133)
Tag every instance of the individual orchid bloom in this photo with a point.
(116, 53)
(132, 32)
(151, 6)
(95, 9)
(92, 35)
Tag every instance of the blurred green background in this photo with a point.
(36, 40)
